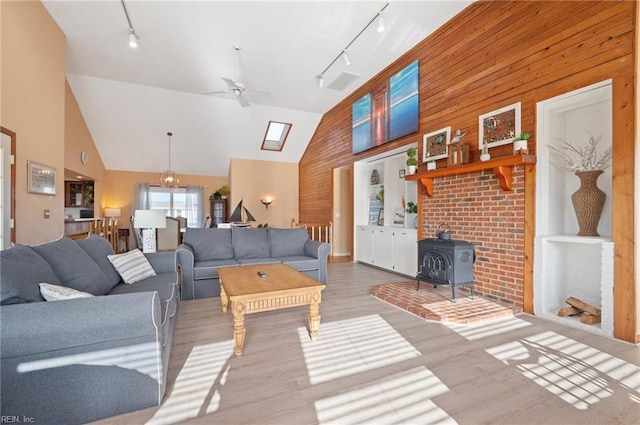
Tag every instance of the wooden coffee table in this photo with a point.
(282, 287)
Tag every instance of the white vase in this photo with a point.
(431, 166)
(411, 169)
(519, 145)
(485, 157)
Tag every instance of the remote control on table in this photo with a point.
(262, 274)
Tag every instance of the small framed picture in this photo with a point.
(401, 173)
(499, 127)
(434, 144)
(381, 217)
(41, 179)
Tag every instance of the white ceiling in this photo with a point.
(130, 98)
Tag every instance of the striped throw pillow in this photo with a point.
(132, 266)
(56, 292)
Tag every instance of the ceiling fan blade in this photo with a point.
(232, 84)
(243, 100)
(216, 92)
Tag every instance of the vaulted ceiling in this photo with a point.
(130, 98)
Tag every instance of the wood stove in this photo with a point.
(446, 262)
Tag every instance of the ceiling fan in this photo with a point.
(235, 87)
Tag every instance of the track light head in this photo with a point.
(320, 81)
(346, 58)
(133, 39)
(380, 22)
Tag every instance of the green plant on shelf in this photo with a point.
(380, 195)
(412, 208)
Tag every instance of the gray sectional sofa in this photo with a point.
(204, 251)
(79, 360)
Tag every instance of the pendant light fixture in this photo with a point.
(169, 179)
(133, 37)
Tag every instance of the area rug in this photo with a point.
(435, 303)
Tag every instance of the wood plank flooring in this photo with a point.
(376, 364)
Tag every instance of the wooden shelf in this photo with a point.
(502, 167)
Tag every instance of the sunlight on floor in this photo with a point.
(400, 398)
(196, 389)
(353, 346)
(487, 329)
(577, 373)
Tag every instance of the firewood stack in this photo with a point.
(588, 313)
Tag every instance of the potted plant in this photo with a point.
(224, 191)
(520, 143)
(215, 195)
(412, 161)
(412, 213)
(431, 164)
(380, 194)
(484, 155)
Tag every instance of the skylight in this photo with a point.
(275, 136)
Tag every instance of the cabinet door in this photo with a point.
(382, 248)
(405, 252)
(74, 194)
(364, 248)
(218, 211)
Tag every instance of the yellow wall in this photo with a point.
(119, 188)
(78, 139)
(253, 180)
(33, 106)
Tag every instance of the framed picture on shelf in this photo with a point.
(434, 144)
(41, 179)
(401, 173)
(499, 127)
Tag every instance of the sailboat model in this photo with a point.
(236, 216)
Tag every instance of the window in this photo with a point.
(174, 203)
(275, 136)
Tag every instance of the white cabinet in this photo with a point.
(405, 251)
(388, 248)
(364, 246)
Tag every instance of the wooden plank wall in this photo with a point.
(497, 53)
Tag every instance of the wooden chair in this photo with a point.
(207, 222)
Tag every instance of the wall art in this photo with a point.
(499, 127)
(41, 179)
(434, 144)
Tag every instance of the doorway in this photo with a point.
(7, 187)
(342, 214)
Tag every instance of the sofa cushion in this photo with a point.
(132, 266)
(98, 248)
(287, 242)
(209, 269)
(73, 266)
(209, 243)
(257, 260)
(250, 243)
(301, 262)
(58, 293)
(21, 270)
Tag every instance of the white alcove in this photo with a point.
(566, 265)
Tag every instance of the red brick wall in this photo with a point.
(480, 212)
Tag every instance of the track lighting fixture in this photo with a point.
(343, 53)
(133, 40)
(133, 37)
(346, 58)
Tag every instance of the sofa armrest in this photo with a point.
(316, 249)
(185, 261)
(59, 325)
(162, 262)
(80, 360)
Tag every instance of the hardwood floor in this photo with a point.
(376, 364)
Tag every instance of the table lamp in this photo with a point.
(149, 221)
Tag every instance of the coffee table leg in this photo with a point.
(223, 299)
(314, 316)
(239, 329)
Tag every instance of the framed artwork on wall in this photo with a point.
(499, 127)
(434, 144)
(41, 179)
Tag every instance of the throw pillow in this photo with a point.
(57, 293)
(73, 266)
(132, 266)
(21, 269)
